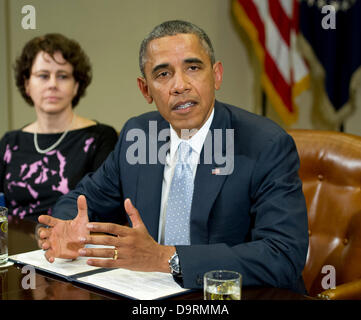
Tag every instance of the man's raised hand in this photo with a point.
(61, 239)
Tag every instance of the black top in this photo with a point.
(32, 182)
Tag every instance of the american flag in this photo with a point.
(272, 26)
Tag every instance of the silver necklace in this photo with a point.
(53, 146)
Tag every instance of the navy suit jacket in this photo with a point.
(253, 220)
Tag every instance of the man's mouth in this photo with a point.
(184, 106)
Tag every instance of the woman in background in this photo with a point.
(47, 158)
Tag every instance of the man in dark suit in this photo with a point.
(248, 215)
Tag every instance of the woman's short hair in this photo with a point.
(52, 43)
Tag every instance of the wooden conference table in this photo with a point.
(49, 287)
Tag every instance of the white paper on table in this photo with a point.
(135, 284)
(132, 284)
(63, 267)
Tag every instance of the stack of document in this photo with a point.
(127, 283)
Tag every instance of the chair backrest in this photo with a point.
(331, 174)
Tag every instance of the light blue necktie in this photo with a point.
(180, 200)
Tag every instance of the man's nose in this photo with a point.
(181, 83)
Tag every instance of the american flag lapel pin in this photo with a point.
(216, 171)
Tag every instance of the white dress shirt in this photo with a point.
(196, 142)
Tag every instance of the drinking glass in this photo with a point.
(3, 235)
(222, 285)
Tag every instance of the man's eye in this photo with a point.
(193, 68)
(162, 74)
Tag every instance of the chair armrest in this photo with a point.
(346, 291)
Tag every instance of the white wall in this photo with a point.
(110, 31)
(4, 72)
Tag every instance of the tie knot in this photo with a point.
(184, 152)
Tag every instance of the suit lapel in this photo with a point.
(207, 185)
(149, 187)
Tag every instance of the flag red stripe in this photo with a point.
(253, 15)
(281, 20)
(283, 89)
(271, 69)
(295, 16)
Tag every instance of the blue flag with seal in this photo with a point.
(331, 44)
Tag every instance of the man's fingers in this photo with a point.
(102, 240)
(44, 233)
(103, 263)
(96, 252)
(48, 220)
(133, 214)
(45, 245)
(82, 208)
(40, 243)
(49, 255)
(110, 228)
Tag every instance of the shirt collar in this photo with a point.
(196, 142)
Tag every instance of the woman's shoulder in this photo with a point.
(105, 128)
(97, 130)
(13, 134)
(12, 138)
(97, 127)
(104, 135)
(82, 123)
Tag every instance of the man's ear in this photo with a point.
(144, 89)
(218, 75)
